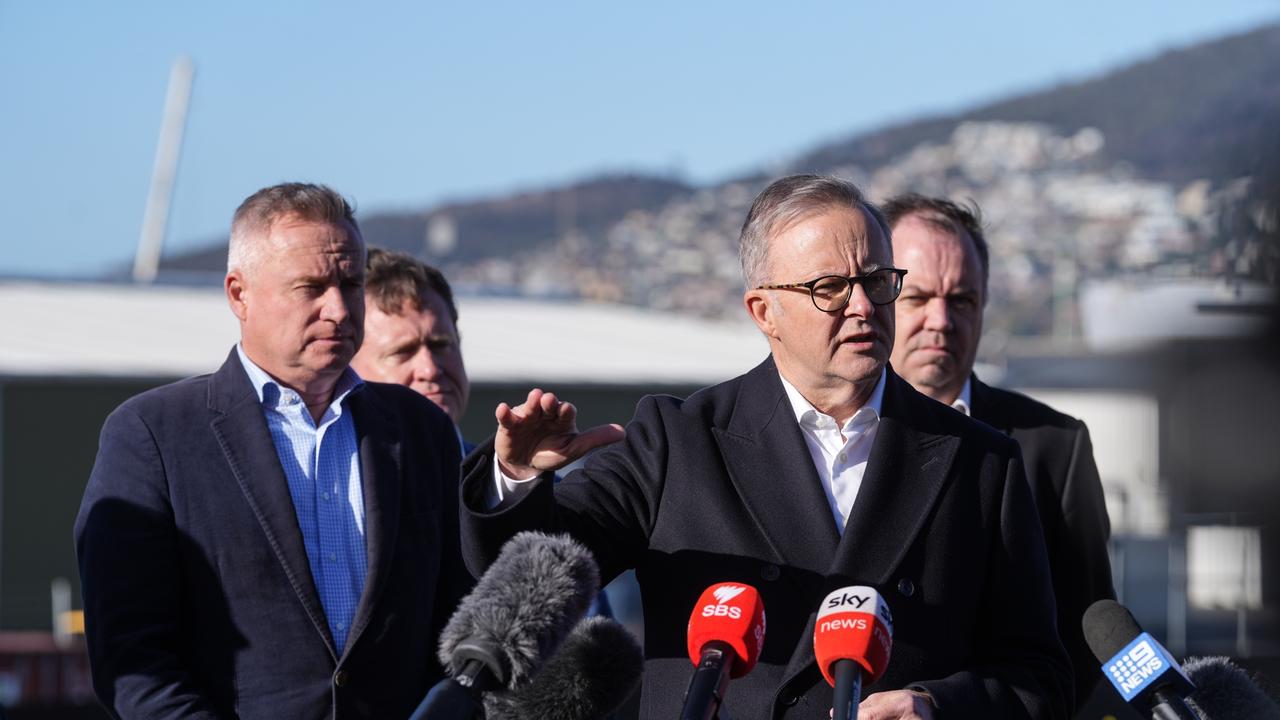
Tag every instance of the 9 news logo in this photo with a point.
(1132, 667)
(720, 609)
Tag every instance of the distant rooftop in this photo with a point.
(125, 330)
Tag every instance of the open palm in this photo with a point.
(541, 434)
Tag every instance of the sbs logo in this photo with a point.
(728, 592)
(723, 595)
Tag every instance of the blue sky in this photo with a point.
(403, 105)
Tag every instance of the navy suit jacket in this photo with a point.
(1058, 456)
(721, 487)
(198, 597)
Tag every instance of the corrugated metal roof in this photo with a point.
(100, 329)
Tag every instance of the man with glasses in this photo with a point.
(817, 470)
(939, 323)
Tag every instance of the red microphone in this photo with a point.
(851, 639)
(726, 634)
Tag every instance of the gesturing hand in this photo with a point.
(542, 434)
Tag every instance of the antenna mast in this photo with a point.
(155, 221)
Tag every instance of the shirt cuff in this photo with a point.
(506, 491)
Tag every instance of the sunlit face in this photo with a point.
(417, 348)
(301, 306)
(820, 351)
(939, 313)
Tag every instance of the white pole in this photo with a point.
(156, 219)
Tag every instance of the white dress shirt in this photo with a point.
(964, 401)
(839, 454)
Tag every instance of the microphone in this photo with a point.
(1225, 692)
(1140, 669)
(852, 637)
(726, 634)
(596, 669)
(515, 617)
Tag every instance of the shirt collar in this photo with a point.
(807, 415)
(964, 401)
(270, 391)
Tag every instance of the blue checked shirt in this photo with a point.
(322, 466)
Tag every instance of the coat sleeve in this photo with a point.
(455, 580)
(1020, 669)
(1082, 555)
(609, 505)
(127, 547)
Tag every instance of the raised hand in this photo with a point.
(542, 434)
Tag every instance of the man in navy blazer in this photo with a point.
(817, 470)
(277, 539)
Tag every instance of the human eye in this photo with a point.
(876, 280)
(828, 287)
(441, 344)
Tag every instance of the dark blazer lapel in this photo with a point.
(246, 442)
(987, 406)
(907, 470)
(770, 466)
(378, 437)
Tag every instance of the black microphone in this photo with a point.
(1225, 692)
(596, 669)
(1138, 666)
(512, 621)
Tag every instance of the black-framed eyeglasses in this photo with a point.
(831, 292)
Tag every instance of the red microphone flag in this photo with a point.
(732, 613)
(853, 623)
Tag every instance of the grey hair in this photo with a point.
(786, 201)
(259, 211)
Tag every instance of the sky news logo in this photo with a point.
(858, 599)
(1136, 666)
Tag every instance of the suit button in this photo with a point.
(340, 678)
(790, 700)
(770, 572)
(906, 587)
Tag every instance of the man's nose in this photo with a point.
(334, 308)
(859, 304)
(937, 315)
(424, 364)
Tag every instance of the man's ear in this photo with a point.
(237, 294)
(764, 310)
